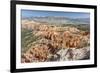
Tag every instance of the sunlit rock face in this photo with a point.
(74, 54)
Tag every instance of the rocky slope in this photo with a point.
(42, 42)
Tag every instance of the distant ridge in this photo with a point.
(59, 20)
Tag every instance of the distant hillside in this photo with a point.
(60, 20)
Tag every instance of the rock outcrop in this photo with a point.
(56, 43)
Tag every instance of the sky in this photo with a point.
(37, 13)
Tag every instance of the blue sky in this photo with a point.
(33, 13)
